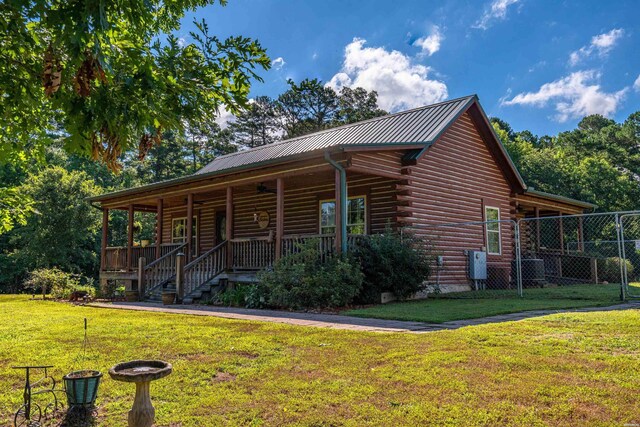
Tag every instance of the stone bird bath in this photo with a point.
(141, 372)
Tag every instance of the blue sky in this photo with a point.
(540, 65)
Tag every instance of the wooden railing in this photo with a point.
(326, 243)
(204, 268)
(292, 244)
(160, 271)
(116, 256)
(115, 259)
(252, 253)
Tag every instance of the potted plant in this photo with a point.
(81, 386)
(168, 297)
(131, 295)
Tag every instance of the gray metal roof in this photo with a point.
(421, 125)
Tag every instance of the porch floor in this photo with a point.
(335, 321)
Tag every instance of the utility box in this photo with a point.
(477, 265)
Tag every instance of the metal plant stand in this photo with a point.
(141, 372)
(32, 413)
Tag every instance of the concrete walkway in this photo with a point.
(336, 321)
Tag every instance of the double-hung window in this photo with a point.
(356, 216)
(492, 230)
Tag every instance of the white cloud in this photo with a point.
(278, 63)
(636, 84)
(600, 44)
(224, 117)
(399, 81)
(496, 11)
(431, 43)
(574, 96)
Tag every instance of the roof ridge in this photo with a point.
(345, 126)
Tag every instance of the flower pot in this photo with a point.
(144, 242)
(82, 387)
(131, 296)
(168, 298)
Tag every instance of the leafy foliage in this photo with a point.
(598, 162)
(391, 262)
(303, 280)
(63, 230)
(58, 283)
(111, 76)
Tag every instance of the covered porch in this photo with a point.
(246, 224)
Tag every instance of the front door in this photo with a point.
(221, 227)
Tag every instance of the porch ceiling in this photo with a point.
(145, 203)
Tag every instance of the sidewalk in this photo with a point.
(335, 321)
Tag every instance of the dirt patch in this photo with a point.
(222, 377)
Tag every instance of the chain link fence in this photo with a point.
(590, 257)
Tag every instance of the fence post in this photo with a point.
(179, 276)
(142, 261)
(620, 235)
(518, 258)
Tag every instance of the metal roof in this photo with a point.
(421, 125)
(532, 191)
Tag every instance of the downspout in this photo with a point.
(343, 199)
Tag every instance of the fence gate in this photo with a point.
(630, 251)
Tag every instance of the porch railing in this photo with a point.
(115, 259)
(160, 271)
(252, 253)
(116, 256)
(204, 268)
(291, 244)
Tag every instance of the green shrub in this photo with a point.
(303, 280)
(392, 263)
(609, 269)
(58, 283)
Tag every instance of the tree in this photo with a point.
(357, 105)
(63, 230)
(99, 70)
(598, 162)
(306, 107)
(257, 124)
(110, 77)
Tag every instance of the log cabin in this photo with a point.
(437, 164)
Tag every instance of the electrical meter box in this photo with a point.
(477, 265)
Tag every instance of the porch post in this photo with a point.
(580, 235)
(229, 226)
(159, 219)
(561, 232)
(537, 211)
(338, 191)
(105, 237)
(279, 216)
(189, 227)
(130, 239)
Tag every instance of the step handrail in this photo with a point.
(204, 268)
(156, 277)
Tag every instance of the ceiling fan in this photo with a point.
(263, 189)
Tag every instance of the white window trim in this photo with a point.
(195, 236)
(487, 231)
(362, 196)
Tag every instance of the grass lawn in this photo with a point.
(471, 305)
(564, 369)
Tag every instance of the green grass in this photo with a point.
(472, 305)
(564, 369)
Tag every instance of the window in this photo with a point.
(356, 216)
(493, 230)
(179, 232)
